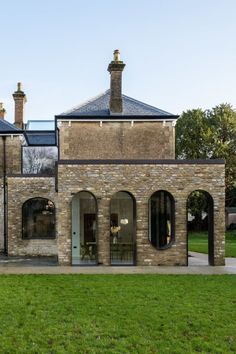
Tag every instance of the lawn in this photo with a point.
(198, 242)
(118, 314)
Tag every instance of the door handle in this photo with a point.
(75, 247)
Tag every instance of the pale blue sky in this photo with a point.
(179, 54)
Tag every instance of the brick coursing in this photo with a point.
(141, 181)
(21, 189)
(117, 140)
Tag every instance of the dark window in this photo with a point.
(161, 219)
(38, 218)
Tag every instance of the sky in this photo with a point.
(179, 54)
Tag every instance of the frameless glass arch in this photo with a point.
(161, 219)
(200, 222)
(38, 219)
(122, 229)
(84, 229)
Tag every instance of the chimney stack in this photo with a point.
(20, 99)
(115, 68)
(2, 111)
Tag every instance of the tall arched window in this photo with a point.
(122, 229)
(38, 219)
(84, 229)
(161, 219)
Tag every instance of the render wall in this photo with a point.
(142, 181)
(116, 140)
(21, 189)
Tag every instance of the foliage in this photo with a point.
(198, 242)
(197, 204)
(39, 159)
(117, 314)
(210, 134)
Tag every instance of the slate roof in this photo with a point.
(99, 107)
(6, 127)
(40, 138)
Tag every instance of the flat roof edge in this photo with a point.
(142, 162)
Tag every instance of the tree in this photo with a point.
(208, 135)
(38, 159)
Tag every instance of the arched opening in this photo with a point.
(200, 228)
(84, 229)
(38, 219)
(161, 219)
(122, 229)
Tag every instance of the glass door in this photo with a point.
(84, 227)
(122, 232)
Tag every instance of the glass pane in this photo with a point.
(84, 225)
(38, 218)
(39, 159)
(161, 219)
(122, 229)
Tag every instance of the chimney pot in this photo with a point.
(2, 111)
(19, 86)
(116, 55)
(115, 68)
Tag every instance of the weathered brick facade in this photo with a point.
(110, 144)
(20, 189)
(117, 140)
(141, 180)
(13, 165)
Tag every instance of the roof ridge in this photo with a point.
(146, 104)
(94, 98)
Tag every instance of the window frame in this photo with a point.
(22, 224)
(172, 219)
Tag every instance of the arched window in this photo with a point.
(84, 229)
(161, 219)
(122, 229)
(38, 219)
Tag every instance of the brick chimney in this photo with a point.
(20, 99)
(115, 68)
(2, 111)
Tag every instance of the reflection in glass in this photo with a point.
(84, 226)
(38, 218)
(122, 229)
(161, 213)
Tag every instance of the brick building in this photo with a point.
(117, 194)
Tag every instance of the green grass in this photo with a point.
(198, 242)
(117, 314)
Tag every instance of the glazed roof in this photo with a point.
(99, 107)
(39, 138)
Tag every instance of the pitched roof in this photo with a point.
(6, 127)
(99, 107)
(39, 138)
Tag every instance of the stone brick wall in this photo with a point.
(1, 217)
(13, 154)
(141, 181)
(117, 140)
(21, 189)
